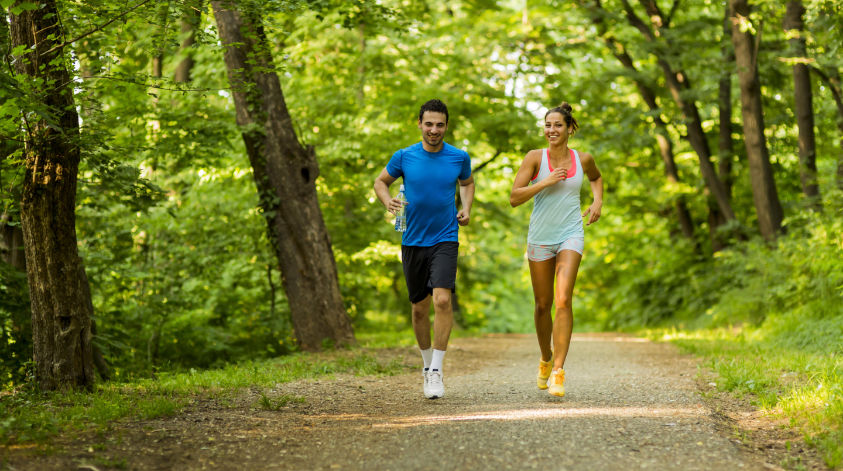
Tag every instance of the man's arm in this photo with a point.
(467, 198)
(381, 186)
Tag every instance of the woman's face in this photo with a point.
(555, 128)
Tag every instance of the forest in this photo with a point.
(188, 184)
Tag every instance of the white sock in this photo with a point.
(427, 355)
(436, 361)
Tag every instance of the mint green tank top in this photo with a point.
(556, 213)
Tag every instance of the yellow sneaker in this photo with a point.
(545, 368)
(557, 383)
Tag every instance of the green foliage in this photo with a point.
(180, 268)
(176, 250)
(751, 283)
(15, 329)
(772, 322)
(222, 307)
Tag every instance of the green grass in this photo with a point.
(31, 416)
(385, 338)
(267, 403)
(783, 377)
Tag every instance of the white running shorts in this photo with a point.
(539, 252)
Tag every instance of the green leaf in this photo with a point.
(22, 7)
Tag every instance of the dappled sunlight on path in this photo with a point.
(533, 414)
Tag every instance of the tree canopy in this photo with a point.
(173, 235)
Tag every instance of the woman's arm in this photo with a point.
(595, 180)
(522, 191)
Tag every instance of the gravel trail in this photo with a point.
(630, 404)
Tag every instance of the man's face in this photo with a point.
(433, 127)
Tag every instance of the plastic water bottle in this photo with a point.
(401, 215)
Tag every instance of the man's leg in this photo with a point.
(421, 327)
(443, 276)
(443, 318)
(421, 322)
(416, 269)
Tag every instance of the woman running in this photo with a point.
(555, 239)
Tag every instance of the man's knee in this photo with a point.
(441, 300)
(421, 310)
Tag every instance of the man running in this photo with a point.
(429, 246)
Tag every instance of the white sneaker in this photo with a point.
(426, 386)
(434, 387)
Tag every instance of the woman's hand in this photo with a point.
(593, 212)
(556, 176)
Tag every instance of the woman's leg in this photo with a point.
(567, 264)
(541, 274)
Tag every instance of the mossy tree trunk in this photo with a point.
(59, 292)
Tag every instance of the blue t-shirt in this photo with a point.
(430, 180)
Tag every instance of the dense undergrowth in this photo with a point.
(768, 319)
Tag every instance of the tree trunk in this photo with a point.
(767, 205)
(191, 18)
(678, 84)
(665, 143)
(725, 143)
(831, 78)
(794, 26)
(683, 215)
(361, 65)
(285, 174)
(158, 65)
(59, 290)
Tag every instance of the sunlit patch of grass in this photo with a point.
(31, 416)
(803, 385)
(268, 403)
(817, 408)
(385, 338)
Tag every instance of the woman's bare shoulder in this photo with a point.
(534, 155)
(586, 157)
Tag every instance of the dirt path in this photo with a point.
(631, 404)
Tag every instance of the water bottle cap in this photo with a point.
(401, 188)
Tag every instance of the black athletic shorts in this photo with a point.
(431, 267)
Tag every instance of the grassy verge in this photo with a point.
(28, 416)
(803, 385)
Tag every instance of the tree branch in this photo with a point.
(673, 10)
(157, 87)
(487, 162)
(98, 28)
(835, 88)
(637, 22)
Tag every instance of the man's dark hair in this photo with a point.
(436, 106)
